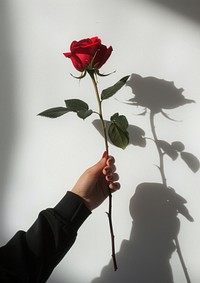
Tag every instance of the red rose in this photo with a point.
(88, 53)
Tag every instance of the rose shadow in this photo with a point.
(145, 257)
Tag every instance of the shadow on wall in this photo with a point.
(189, 9)
(154, 207)
(145, 256)
(7, 111)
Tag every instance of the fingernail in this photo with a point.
(109, 178)
(116, 186)
(110, 161)
(105, 154)
(108, 170)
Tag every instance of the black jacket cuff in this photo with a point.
(72, 209)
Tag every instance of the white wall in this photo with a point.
(42, 158)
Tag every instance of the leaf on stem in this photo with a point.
(83, 114)
(117, 131)
(78, 106)
(168, 149)
(120, 121)
(191, 160)
(110, 91)
(54, 112)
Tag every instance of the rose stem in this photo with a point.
(161, 168)
(109, 213)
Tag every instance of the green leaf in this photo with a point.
(118, 136)
(191, 161)
(84, 113)
(117, 130)
(54, 112)
(177, 145)
(76, 105)
(120, 121)
(110, 91)
(168, 149)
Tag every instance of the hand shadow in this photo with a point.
(145, 257)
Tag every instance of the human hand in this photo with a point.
(94, 183)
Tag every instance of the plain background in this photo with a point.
(42, 158)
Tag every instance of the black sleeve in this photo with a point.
(30, 257)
